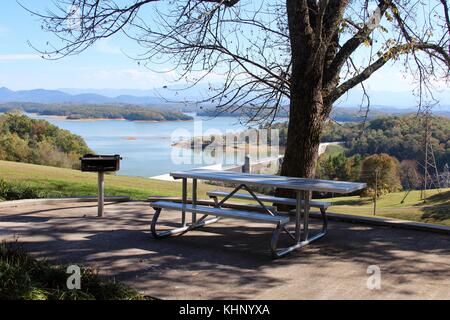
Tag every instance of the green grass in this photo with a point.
(25, 278)
(333, 150)
(436, 209)
(59, 182)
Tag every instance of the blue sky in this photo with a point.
(102, 66)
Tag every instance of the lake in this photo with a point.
(146, 146)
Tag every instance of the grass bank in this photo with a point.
(58, 182)
(436, 208)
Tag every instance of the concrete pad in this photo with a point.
(231, 259)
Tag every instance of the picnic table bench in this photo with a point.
(302, 187)
(322, 205)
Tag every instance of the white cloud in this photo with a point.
(15, 57)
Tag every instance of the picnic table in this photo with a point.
(302, 187)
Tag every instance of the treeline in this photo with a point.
(382, 172)
(343, 114)
(386, 155)
(397, 136)
(95, 111)
(340, 114)
(37, 141)
(217, 113)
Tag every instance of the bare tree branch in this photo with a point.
(269, 54)
(391, 54)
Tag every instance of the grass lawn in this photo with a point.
(435, 210)
(58, 182)
(333, 150)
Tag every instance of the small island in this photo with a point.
(97, 111)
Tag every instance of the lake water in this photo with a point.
(146, 146)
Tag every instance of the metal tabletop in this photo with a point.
(302, 188)
(300, 184)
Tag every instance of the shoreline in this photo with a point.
(57, 117)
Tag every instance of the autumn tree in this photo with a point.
(381, 172)
(409, 174)
(338, 167)
(305, 54)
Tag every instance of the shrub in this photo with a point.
(18, 191)
(25, 278)
(37, 141)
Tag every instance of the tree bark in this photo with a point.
(307, 110)
(304, 131)
(306, 121)
(305, 127)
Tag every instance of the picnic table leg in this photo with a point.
(306, 197)
(184, 201)
(194, 199)
(184, 228)
(177, 231)
(302, 236)
(323, 212)
(298, 213)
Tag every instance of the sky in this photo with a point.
(103, 66)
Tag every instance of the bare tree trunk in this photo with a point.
(306, 121)
(306, 100)
(307, 111)
(305, 127)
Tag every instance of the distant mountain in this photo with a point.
(439, 110)
(56, 96)
(178, 93)
(73, 111)
(179, 97)
(354, 114)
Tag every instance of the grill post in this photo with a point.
(101, 193)
(100, 164)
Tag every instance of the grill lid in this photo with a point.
(100, 163)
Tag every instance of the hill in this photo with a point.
(37, 141)
(46, 181)
(435, 210)
(400, 136)
(96, 111)
(59, 182)
(56, 96)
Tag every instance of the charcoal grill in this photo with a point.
(100, 164)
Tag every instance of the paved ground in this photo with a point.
(226, 260)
